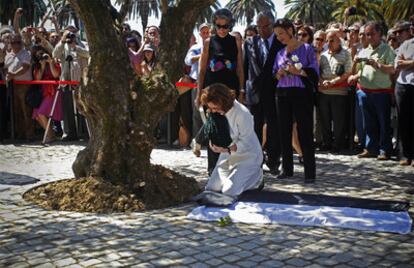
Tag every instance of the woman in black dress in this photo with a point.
(221, 62)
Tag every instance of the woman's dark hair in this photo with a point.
(309, 31)
(223, 13)
(285, 24)
(218, 94)
(35, 59)
(250, 28)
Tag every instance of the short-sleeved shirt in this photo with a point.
(331, 64)
(406, 51)
(372, 78)
(13, 62)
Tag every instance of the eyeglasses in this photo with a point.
(320, 39)
(264, 26)
(225, 26)
(302, 34)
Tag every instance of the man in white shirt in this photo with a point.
(192, 59)
(18, 68)
(404, 95)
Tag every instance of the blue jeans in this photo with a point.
(377, 116)
(359, 119)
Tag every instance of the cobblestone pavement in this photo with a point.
(34, 237)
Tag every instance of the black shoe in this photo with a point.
(284, 175)
(273, 169)
(70, 138)
(309, 180)
(324, 148)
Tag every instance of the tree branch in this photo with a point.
(125, 8)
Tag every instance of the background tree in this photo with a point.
(313, 12)
(365, 10)
(33, 11)
(396, 10)
(245, 10)
(142, 9)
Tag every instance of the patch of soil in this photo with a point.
(165, 188)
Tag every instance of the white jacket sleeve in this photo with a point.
(189, 56)
(245, 126)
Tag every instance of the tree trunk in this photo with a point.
(121, 110)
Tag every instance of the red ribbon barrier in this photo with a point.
(379, 90)
(183, 84)
(42, 82)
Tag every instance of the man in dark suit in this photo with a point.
(259, 56)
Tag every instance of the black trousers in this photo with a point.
(4, 112)
(300, 108)
(404, 96)
(333, 111)
(182, 115)
(69, 122)
(266, 112)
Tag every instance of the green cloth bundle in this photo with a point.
(217, 130)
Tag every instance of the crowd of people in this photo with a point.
(341, 89)
(335, 89)
(33, 53)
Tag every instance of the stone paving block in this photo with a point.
(297, 262)
(90, 262)
(143, 265)
(45, 265)
(203, 256)
(65, 262)
(247, 264)
(232, 258)
(358, 263)
(272, 263)
(228, 266)
(163, 262)
(186, 260)
(214, 262)
(200, 265)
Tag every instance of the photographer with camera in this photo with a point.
(335, 66)
(73, 59)
(376, 64)
(45, 68)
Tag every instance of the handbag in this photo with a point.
(34, 96)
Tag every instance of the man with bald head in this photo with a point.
(335, 65)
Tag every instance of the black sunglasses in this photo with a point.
(320, 39)
(302, 34)
(225, 26)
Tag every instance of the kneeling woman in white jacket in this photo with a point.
(239, 167)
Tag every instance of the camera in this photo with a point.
(70, 38)
(45, 57)
(69, 58)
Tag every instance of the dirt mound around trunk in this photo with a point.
(164, 188)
